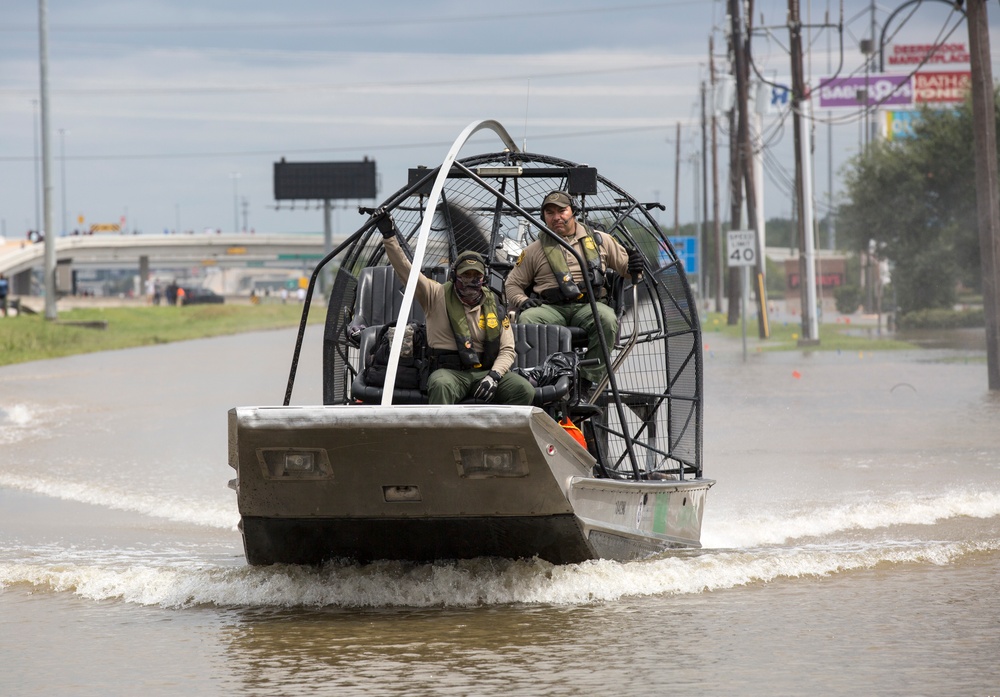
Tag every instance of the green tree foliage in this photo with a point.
(781, 232)
(915, 200)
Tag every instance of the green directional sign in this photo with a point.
(293, 257)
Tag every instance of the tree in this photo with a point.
(916, 200)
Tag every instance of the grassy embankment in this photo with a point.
(785, 336)
(32, 338)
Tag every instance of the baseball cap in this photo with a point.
(560, 198)
(470, 261)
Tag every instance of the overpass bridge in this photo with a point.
(142, 252)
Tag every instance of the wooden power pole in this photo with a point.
(984, 128)
(741, 175)
(716, 222)
(734, 286)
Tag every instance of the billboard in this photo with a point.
(945, 87)
(324, 181)
(899, 123)
(873, 90)
(904, 55)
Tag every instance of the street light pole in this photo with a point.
(34, 131)
(236, 201)
(62, 165)
(50, 243)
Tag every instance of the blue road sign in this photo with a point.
(687, 252)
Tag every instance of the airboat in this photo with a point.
(374, 472)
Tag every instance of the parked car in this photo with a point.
(201, 296)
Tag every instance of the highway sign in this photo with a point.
(742, 248)
(687, 252)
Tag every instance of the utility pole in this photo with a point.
(742, 163)
(716, 222)
(807, 288)
(735, 287)
(677, 183)
(987, 206)
(703, 228)
(749, 180)
(831, 235)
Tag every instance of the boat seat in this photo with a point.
(372, 394)
(534, 343)
(377, 300)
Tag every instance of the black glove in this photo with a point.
(385, 223)
(634, 263)
(530, 303)
(487, 388)
(354, 332)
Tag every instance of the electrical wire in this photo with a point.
(326, 25)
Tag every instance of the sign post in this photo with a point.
(742, 251)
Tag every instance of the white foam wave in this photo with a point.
(181, 510)
(904, 509)
(16, 415)
(20, 422)
(478, 582)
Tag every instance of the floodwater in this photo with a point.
(852, 546)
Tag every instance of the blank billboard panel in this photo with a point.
(324, 180)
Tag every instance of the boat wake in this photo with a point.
(775, 528)
(469, 583)
(220, 514)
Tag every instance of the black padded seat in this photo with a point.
(378, 298)
(536, 342)
(372, 394)
(579, 337)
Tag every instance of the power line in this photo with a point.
(320, 150)
(327, 24)
(347, 87)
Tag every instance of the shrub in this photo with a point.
(848, 299)
(942, 319)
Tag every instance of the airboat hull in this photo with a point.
(424, 483)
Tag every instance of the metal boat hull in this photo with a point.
(423, 483)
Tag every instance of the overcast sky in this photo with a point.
(171, 113)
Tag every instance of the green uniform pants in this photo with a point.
(579, 315)
(447, 386)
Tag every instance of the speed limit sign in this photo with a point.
(742, 248)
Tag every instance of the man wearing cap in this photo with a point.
(558, 279)
(468, 332)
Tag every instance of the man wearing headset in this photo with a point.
(468, 332)
(558, 279)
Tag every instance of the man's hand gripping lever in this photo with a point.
(384, 222)
(635, 265)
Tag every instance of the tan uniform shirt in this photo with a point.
(430, 295)
(533, 267)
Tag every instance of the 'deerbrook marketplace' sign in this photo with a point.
(923, 81)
